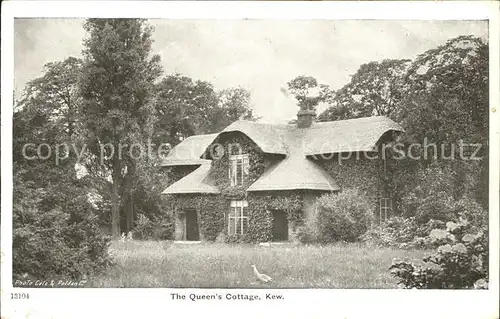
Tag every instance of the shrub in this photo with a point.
(392, 233)
(413, 232)
(143, 227)
(163, 229)
(461, 260)
(432, 213)
(401, 232)
(305, 234)
(343, 216)
(160, 228)
(434, 207)
(62, 241)
(431, 194)
(473, 212)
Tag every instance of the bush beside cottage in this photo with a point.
(342, 217)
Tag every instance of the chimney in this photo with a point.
(305, 118)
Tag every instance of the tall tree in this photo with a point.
(55, 229)
(233, 105)
(447, 97)
(182, 106)
(54, 95)
(49, 110)
(447, 103)
(185, 107)
(117, 90)
(375, 89)
(307, 91)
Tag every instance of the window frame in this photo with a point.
(240, 217)
(233, 168)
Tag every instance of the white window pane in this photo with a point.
(237, 203)
(231, 228)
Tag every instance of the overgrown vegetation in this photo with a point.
(357, 172)
(154, 229)
(261, 219)
(55, 237)
(461, 260)
(56, 229)
(400, 232)
(236, 144)
(210, 210)
(259, 204)
(342, 217)
(413, 232)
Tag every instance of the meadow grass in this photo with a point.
(212, 265)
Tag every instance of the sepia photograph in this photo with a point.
(233, 147)
(250, 154)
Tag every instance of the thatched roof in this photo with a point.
(269, 137)
(356, 135)
(294, 175)
(295, 171)
(198, 181)
(189, 151)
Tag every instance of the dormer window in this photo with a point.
(238, 169)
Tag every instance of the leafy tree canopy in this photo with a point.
(375, 89)
(117, 88)
(185, 107)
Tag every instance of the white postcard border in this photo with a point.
(316, 303)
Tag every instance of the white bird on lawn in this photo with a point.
(261, 277)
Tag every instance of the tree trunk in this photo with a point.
(130, 213)
(127, 196)
(115, 208)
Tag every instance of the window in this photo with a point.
(385, 208)
(237, 218)
(238, 169)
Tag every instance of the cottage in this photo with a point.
(258, 182)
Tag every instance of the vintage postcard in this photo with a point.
(246, 158)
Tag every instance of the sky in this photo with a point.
(259, 55)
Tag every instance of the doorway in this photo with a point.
(280, 225)
(192, 232)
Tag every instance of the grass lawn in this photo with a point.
(210, 265)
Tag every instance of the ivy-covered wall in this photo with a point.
(235, 144)
(260, 205)
(209, 208)
(259, 221)
(365, 174)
